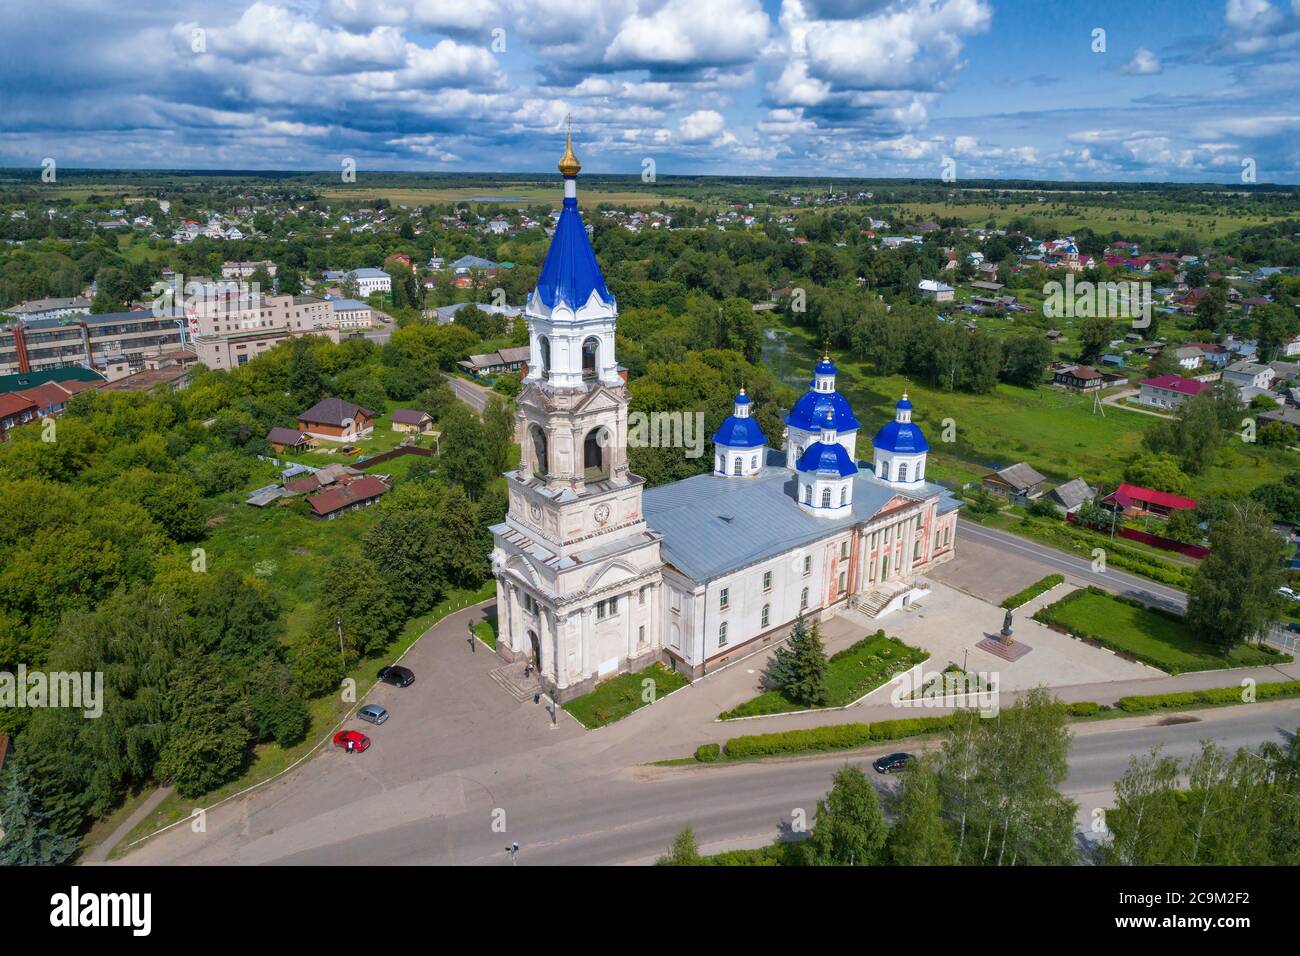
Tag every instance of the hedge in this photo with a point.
(1074, 538)
(1210, 697)
(831, 737)
(1031, 592)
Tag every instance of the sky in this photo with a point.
(1166, 90)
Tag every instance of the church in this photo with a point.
(597, 575)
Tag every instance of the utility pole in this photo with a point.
(338, 622)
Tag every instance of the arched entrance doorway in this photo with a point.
(535, 648)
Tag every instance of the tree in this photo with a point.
(29, 837)
(207, 740)
(1212, 310)
(1023, 359)
(799, 668)
(402, 544)
(498, 433)
(1233, 596)
(456, 552)
(464, 453)
(920, 835)
(1095, 334)
(684, 851)
(1194, 435)
(849, 829)
(1159, 471)
(1145, 821)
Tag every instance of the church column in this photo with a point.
(585, 626)
(629, 636)
(560, 668)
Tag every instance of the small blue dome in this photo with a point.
(825, 367)
(571, 273)
(827, 459)
(902, 437)
(903, 403)
(739, 433)
(742, 399)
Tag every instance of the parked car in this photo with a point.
(373, 713)
(1288, 593)
(359, 741)
(348, 449)
(892, 763)
(397, 675)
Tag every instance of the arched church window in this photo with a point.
(717, 463)
(902, 472)
(884, 471)
(590, 351)
(735, 466)
(595, 462)
(920, 470)
(539, 450)
(544, 347)
(753, 462)
(826, 497)
(807, 494)
(844, 497)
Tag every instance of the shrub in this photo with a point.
(1209, 697)
(708, 753)
(832, 737)
(1083, 708)
(1035, 589)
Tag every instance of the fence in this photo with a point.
(390, 455)
(1155, 540)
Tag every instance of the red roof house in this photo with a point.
(1134, 499)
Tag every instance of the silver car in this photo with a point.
(373, 713)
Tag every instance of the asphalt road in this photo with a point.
(1117, 582)
(473, 395)
(632, 817)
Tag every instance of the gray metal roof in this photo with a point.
(713, 525)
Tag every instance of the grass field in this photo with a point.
(1130, 220)
(1162, 640)
(853, 672)
(619, 696)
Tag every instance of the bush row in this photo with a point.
(831, 737)
(1117, 555)
(1211, 696)
(1031, 592)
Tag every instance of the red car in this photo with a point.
(356, 738)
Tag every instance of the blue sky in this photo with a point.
(1183, 90)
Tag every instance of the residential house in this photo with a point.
(352, 314)
(49, 308)
(370, 281)
(1189, 357)
(933, 289)
(411, 420)
(1134, 501)
(1249, 375)
(1072, 495)
(497, 363)
(334, 419)
(1018, 482)
(347, 495)
(1081, 378)
(1169, 391)
(16, 409)
(289, 439)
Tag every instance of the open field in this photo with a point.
(1128, 220)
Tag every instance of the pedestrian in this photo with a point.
(350, 745)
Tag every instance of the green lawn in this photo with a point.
(853, 672)
(1161, 640)
(619, 696)
(486, 631)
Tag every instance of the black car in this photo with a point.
(397, 675)
(892, 763)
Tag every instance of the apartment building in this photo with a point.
(220, 315)
(88, 340)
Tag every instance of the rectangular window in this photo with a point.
(643, 591)
(724, 598)
(767, 609)
(640, 634)
(722, 634)
(844, 549)
(807, 564)
(843, 581)
(803, 600)
(767, 580)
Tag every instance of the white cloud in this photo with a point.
(1144, 63)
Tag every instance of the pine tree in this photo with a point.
(26, 836)
(799, 668)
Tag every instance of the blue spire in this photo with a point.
(571, 272)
